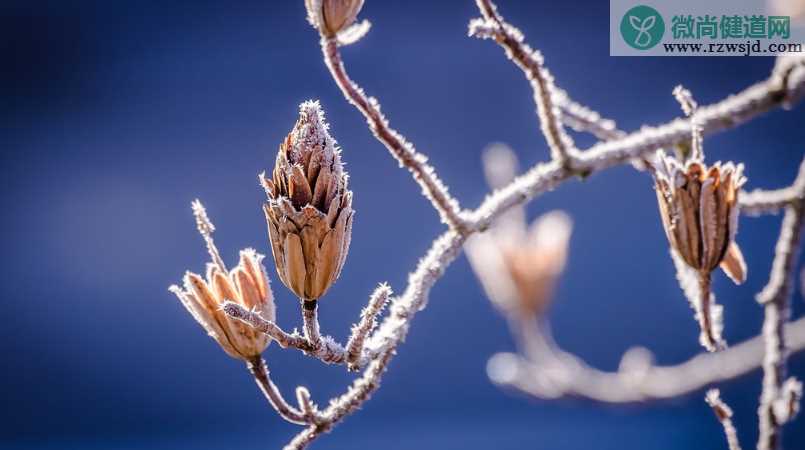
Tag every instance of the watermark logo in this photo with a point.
(701, 28)
(642, 27)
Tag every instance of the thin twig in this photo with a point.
(724, 415)
(776, 301)
(402, 150)
(309, 409)
(583, 119)
(360, 391)
(259, 369)
(367, 324)
(690, 107)
(206, 229)
(329, 351)
(531, 62)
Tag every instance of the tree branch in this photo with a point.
(366, 325)
(530, 61)
(259, 369)
(402, 150)
(329, 351)
(776, 301)
(583, 119)
(562, 374)
(732, 111)
(360, 391)
(724, 415)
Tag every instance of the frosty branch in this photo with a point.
(309, 213)
(724, 415)
(779, 400)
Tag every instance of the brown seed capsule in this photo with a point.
(332, 16)
(518, 266)
(699, 210)
(309, 209)
(246, 285)
(534, 265)
(519, 270)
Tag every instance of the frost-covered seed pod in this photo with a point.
(699, 210)
(246, 285)
(309, 209)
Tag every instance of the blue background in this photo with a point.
(115, 115)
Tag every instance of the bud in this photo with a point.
(246, 285)
(699, 210)
(309, 209)
(332, 16)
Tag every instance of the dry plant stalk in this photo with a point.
(724, 415)
(309, 217)
(699, 210)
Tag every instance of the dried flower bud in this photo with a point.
(332, 16)
(246, 284)
(309, 209)
(699, 210)
(518, 267)
(519, 275)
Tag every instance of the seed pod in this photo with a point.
(699, 211)
(332, 16)
(519, 275)
(309, 209)
(246, 284)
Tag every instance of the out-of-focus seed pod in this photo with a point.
(535, 264)
(518, 266)
(246, 284)
(519, 275)
(309, 209)
(332, 16)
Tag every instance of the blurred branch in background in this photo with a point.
(555, 373)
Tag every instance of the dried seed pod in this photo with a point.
(699, 211)
(309, 209)
(534, 265)
(246, 284)
(332, 16)
(517, 266)
(519, 274)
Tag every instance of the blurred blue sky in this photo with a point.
(116, 114)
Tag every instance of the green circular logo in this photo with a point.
(642, 27)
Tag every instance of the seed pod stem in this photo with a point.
(710, 338)
(310, 321)
(258, 368)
